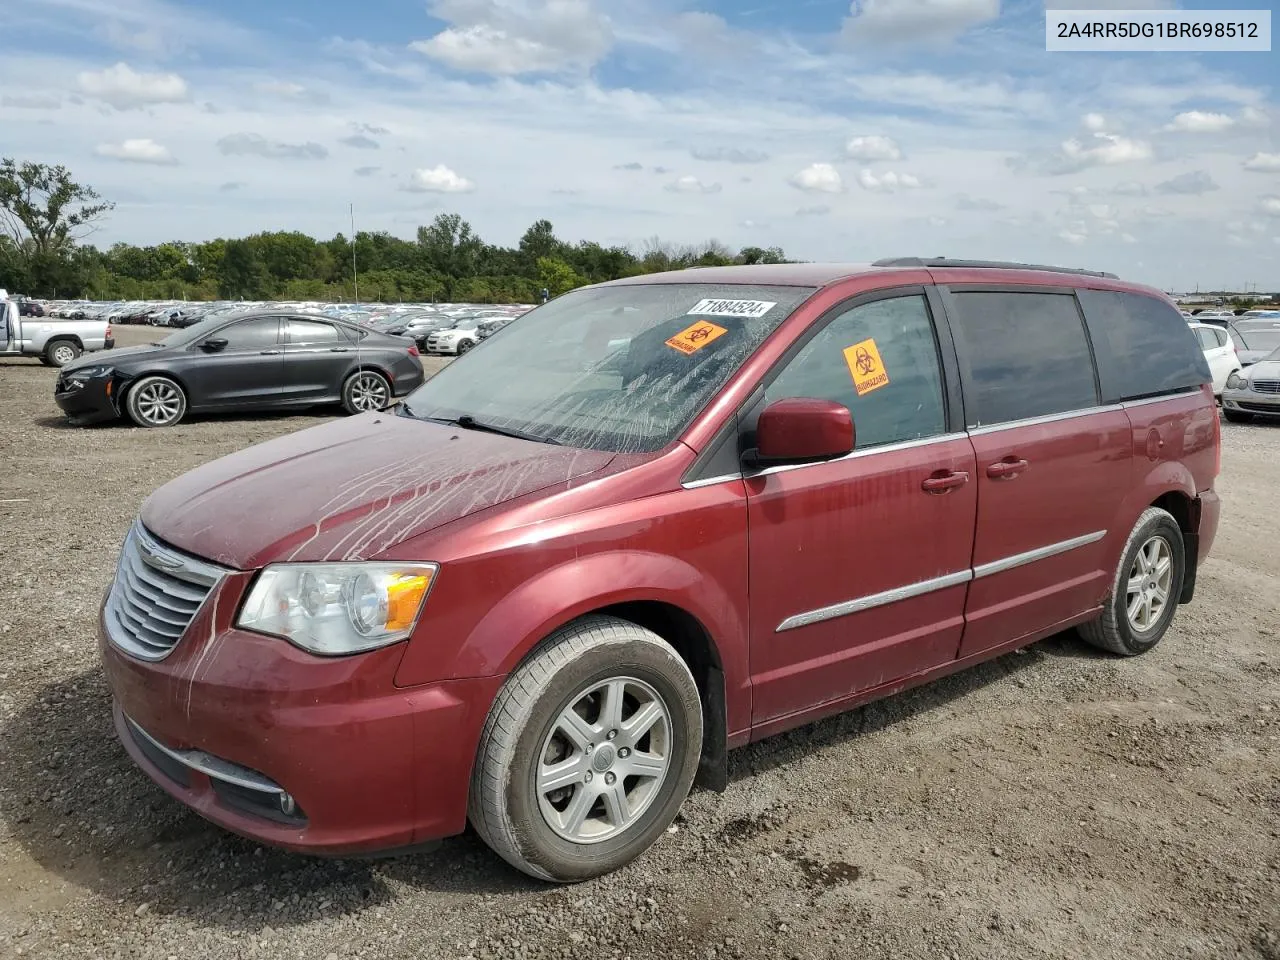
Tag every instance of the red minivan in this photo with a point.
(650, 521)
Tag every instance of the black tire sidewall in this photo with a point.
(141, 421)
(538, 843)
(464, 347)
(349, 385)
(57, 345)
(1133, 641)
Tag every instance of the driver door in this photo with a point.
(247, 371)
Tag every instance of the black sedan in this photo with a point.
(249, 362)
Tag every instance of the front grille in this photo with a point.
(1266, 386)
(156, 594)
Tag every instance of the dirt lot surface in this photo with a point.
(1053, 803)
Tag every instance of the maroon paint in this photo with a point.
(800, 428)
(377, 748)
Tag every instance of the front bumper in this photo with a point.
(1250, 401)
(230, 720)
(87, 404)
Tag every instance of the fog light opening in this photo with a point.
(287, 806)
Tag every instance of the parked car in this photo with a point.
(1219, 352)
(544, 595)
(56, 342)
(255, 362)
(1254, 339)
(491, 325)
(456, 339)
(1254, 391)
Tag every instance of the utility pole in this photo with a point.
(355, 277)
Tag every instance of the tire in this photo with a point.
(1235, 416)
(156, 402)
(365, 390)
(58, 353)
(1156, 537)
(464, 346)
(585, 664)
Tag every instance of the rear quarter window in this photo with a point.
(1143, 346)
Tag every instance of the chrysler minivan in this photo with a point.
(648, 522)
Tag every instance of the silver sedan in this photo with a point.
(1253, 391)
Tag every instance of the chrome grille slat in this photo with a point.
(156, 594)
(1266, 386)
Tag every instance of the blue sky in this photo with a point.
(835, 130)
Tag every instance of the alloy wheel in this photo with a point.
(62, 355)
(158, 403)
(1150, 580)
(604, 760)
(368, 392)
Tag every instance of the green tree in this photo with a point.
(44, 212)
(557, 276)
(242, 274)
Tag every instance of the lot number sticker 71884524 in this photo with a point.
(750, 309)
(866, 367)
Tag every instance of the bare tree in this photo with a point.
(43, 210)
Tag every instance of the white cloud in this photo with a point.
(871, 148)
(510, 37)
(1074, 237)
(1095, 122)
(1105, 150)
(438, 179)
(977, 204)
(1188, 184)
(915, 21)
(887, 182)
(1263, 163)
(256, 145)
(818, 178)
(1128, 238)
(691, 184)
(136, 151)
(280, 88)
(729, 154)
(123, 87)
(1129, 188)
(817, 210)
(1198, 121)
(1270, 206)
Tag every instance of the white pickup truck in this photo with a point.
(55, 342)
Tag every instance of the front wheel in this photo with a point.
(464, 346)
(589, 750)
(1144, 595)
(156, 402)
(365, 390)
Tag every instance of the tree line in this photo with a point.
(46, 218)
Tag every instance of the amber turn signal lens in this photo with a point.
(404, 599)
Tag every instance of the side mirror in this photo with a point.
(213, 344)
(800, 430)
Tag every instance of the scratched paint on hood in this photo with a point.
(351, 489)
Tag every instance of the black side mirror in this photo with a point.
(213, 344)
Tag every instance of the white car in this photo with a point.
(1219, 351)
(458, 339)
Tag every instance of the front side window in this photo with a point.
(880, 360)
(1022, 355)
(621, 368)
(258, 333)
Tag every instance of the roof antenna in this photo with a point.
(355, 277)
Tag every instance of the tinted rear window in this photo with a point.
(1022, 355)
(1143, 345)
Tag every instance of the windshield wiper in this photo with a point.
(468, 422)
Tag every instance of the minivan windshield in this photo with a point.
(617, 368)
(1264, 336)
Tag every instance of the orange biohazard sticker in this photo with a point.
(694, 338)
(866, 367)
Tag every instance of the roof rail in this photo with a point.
(985, 264)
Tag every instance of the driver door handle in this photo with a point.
(1009, 467)
(339, 349)
(268, 352)
(943, 481)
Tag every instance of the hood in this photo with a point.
(107, 358)
(1264, 370)
(351, 489)
(1249, 357)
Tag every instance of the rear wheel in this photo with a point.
(365, 390)
(1144, 594)
(1235, 416)
(156, 402)
(61, 352)
(589, 750)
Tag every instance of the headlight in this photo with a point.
(1237, 382)
(87, 373)
(338, 608)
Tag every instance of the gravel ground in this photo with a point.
(1053, 803)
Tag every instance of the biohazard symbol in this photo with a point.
(866, 367)
(694, 338)
(866, 362)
